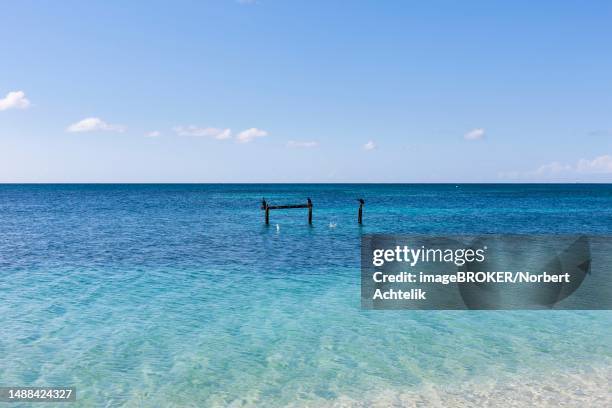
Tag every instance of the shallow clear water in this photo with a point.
(161, 295)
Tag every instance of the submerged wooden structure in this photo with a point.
(267, 207)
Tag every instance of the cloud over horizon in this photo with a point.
(94, 124)
(14, 100)
(598, 165)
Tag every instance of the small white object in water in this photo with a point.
(332, 224)
(277, 227)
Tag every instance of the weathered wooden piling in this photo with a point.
(264, 206)
(360, 213)
(309, 211)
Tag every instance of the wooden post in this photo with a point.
(264, 206)
(360, 213)
(309, 212)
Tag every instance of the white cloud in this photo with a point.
(556, 170)
(245, 136)
(15, 99)
(153, 133)
(475, 134)
(219, 134)
(370, 145)
(302, 144)
(251, 134)
(553, 168)
(601, 164)
(94, 124)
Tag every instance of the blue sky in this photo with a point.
(305, 91)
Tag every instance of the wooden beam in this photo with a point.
(280, 207)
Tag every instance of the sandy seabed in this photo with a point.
(589, 388)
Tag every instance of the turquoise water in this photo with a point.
(179, 295)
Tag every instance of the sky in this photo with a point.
(305, 91)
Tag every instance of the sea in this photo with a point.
(179, 295)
